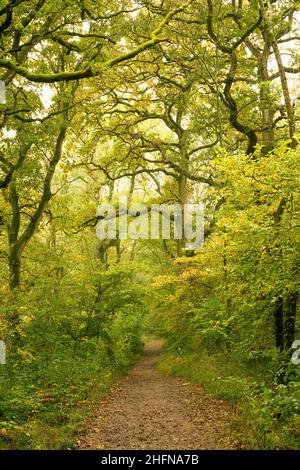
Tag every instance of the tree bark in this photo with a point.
(267, 108)
(18, 242)
(290, 320)
(278, 314)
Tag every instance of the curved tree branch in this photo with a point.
(90, 71)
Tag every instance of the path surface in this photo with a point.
(148, 410)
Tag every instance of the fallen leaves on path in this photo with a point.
(148, 410)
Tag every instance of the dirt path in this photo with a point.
(148, 410)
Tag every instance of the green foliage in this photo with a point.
(126, 338)
(96, 110)
(67, 349)
(268, 416)
(222, 379)
(272, 418)
(223, 298)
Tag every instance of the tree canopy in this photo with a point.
(161, 102)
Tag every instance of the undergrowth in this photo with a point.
(268, 414)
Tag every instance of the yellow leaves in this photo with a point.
(20, 331)
(164, 280)
(180, 293)
(191, 275)
(25, 356)
(107, 377)
(184, 260)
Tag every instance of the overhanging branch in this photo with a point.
(90, 71)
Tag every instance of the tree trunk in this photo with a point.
(14, 270)
(279, 331)
(266, 104)
(290, 321)
(18, 242)
(182, 199)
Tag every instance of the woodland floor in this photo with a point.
(149, 410)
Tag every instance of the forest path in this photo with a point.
(149, 410)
